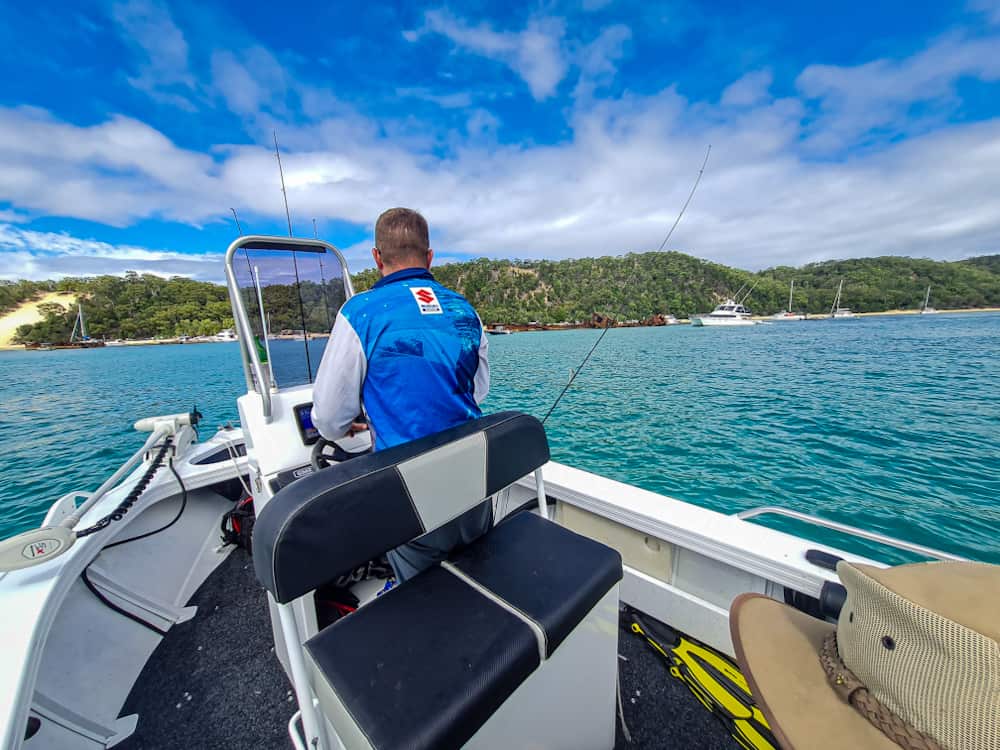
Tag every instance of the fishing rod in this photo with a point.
(295, 263)
(607, 321)
(238, 227)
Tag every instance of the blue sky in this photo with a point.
(546, 130)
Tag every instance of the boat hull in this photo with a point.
(707, 320)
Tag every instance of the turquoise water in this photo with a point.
(889, 423)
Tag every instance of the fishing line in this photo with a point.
(607, 323)
(576, 372)
(690, 196)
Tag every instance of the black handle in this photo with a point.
(822, 559)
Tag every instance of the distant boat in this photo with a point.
(79, 338)
(227, 334)
(837, 311)
(114, 342)
(670, 320)
(79, 333)
(927, 309)
(787, 314)
(729, 313)
(499, 331)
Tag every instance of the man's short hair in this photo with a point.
(401, 235)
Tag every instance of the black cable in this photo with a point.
(180, 512)
(119, 513)
(111, 605)
(576, 372)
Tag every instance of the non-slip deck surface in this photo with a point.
(214, 682)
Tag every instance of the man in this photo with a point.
(412, 354)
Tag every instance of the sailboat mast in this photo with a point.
(927, 298)
(790, 290)
(83, 324)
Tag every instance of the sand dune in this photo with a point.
(28, 313)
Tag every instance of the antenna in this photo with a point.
(295, 262)
(281, 173)
(237, 221)
(315, 231)
(747, 295)
(690, 196)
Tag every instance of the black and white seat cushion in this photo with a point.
(428, 663)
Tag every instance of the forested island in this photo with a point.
(633, 287)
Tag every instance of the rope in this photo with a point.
(847, 685)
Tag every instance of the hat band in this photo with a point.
(854, 692)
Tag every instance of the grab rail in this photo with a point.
(849, 530)
(250, 357)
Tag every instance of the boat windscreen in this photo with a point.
(291, 299)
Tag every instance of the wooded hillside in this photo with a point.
(634, 286)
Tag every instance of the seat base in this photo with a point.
(568, 703)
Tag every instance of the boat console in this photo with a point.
(516, 637)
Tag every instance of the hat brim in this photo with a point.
(778, 649)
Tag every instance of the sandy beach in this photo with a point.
(28, 313)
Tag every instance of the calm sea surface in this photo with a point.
(890, 423)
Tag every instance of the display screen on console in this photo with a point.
(308, 431)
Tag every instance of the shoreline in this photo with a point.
(513, 329)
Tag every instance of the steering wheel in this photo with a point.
(325, 452)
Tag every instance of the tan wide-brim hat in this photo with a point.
(778, 649)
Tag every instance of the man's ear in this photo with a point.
(377, 257)
(430, 256)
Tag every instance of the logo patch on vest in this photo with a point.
(426, 300)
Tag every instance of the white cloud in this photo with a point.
(613, 185)
(456, 100)
(115, 172)
(751, 89)
(45, 255)
(149, 29)
(535, 53)
(881, 93)
(597, 60)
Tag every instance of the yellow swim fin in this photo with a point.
(712, 678)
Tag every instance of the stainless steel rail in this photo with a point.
(849, 530)
(253, 369)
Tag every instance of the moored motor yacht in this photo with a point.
(729, 313)
(128, 622)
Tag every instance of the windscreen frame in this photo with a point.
(256, 375)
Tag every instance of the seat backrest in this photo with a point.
(333, 520)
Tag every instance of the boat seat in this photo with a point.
(423, 666)
(523, 562)
(459, 654)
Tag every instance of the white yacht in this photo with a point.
(926, 308)
(836, 311)
(787, 314)
(227, 334)
(729, 313)
(128, 623)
